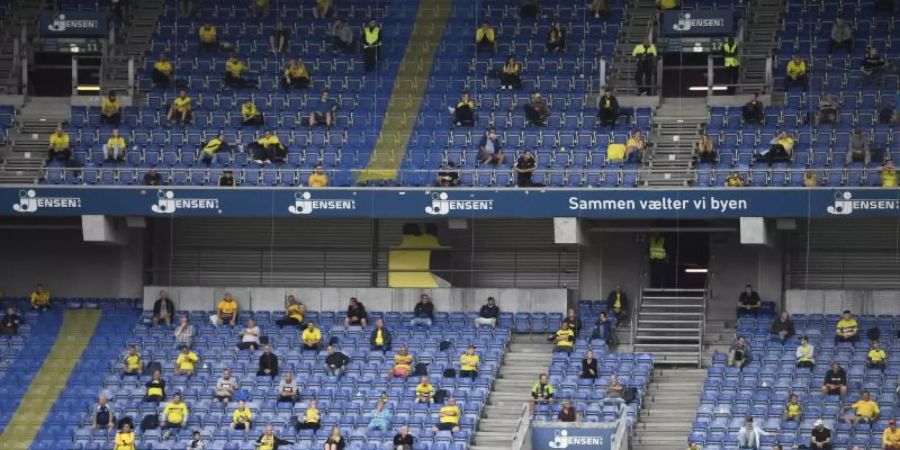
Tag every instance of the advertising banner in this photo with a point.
(697, 23)
(72, 24)
(571, 438)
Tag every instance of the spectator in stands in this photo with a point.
(103, 414)
(589, 365)
(260, 8)
(124, 439)
(268, 363)
(110, 110)
(874, 65)
(156, 388)
(464, 112)
(488, 314)
(176, 415)
(599, 8)
(783, 327)
(890, 439)
(115, 145)
(489, 147)
(567, 413)
(635, 147)
(323, 9)
(226, 386)
(242, 417)
(841, 36)
(695, 446)
(423, 313)
(311, 337)
(234, 71)
(542, 392)
(59, 146)
(614, 388)
(524, 169)
(180, 111)
(858, 149)
(448, 417)
(748, 302)
(835, 381)
(537, 111)
(805, 354)
(403, 440)
(793, 411)
(739, 354)
(153, 178)
(617, 302)
(318, 178)
(310, 419)
(603, 328)
(335, 441)
(227, 310)
(381, 416)
(335, 361)
(293, 313)
(424, 390)
(280, 40)
(132, 364)
(250, 115)
(209, 42)
(810, 179)
(556, 38)
(40, 298)
(186, 362)
(486, 38)
(403, 362)
(9, 324)
(749, 434)
(268, 149)
(184, 333)
(322, 113)
(288, 391)
(163, 309)
(511, 74)
(847, 328)
(734, 180)
(876, 357)
(356, 314)
(448, 176)
(162, 72)
(249, 337)
(888, 175)
(753, 111)
(210, 149)
(295, 75)
(371, 44)
(268, 440)
(821, 437)
(380, 339)
(608, 109)
(573, 321)
(829, 111)
(645, 55)
(781, 149)
(705, 151)
(865, 410)
(796, 73)
(342, 37)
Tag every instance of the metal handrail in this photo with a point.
(522, 426)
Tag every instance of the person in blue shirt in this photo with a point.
(489, 147)
(603, 328)
(322, 111)
(381, 417)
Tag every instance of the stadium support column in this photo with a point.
(567, 230)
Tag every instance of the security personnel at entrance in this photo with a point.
(657, 248)
(371, 44)
(658, 263)
(732, 61)
(645, 53)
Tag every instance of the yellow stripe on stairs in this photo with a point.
(409, 89)
(76, 332)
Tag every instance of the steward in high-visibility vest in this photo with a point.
(730, 50)
(371, 44)
(645, 53)
(657, 248)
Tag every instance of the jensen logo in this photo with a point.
(29, 202)
(441, 205)
(305, 205)
(562, 440)
(685, 22)
(167, 203)
(844, 204)
(60, 24)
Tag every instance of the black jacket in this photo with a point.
(778, 326)
(268, 361)
(10, 324)
(489, 312)
(424, 310)
(337, 359)
(585, 366)
(359, 312)
(164, 303)
(385, 335)
(404, 440)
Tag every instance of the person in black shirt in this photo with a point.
(753, 110)
(573, 321)
(448, 177)
(464, 112)
(380, 339)
(153, 178)
(488, 314)
(783, 326)
(820, 437)
(280, 38)
(524, 169)
(423, 313)
(156, 388)
(567, 413)
(163, 309)
(589, 366)
(748, 302)
(335, 361)
(874, 65)
(268, 363)
(335, 440)
(556, 38)
(835, 381)
(227, 179)
(356, 314)
(403, 440)
(603, 329)
(608, 109)
(9, 325)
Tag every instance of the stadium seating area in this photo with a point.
(7, 117)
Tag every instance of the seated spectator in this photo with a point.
(250, 115)
(865, 410)
(888, 175)
(132, 364)
(335, 441)
(226, 179)
(877, 357)
(542, 392)
(796, 73)
(469, 362)
(511, 74)
(268, 440)
(318, 178)
(209, 42)
(311, 337)
(424, 390)
(617, 302)
(226, 386)
(734, 180)
(423, 313)
(403, 440)
(608, 109)
(175, 415)
(635, 147)
(805, 354)
(268, 149)
(589, 366)
(335, 361)
(696, 446)
(567, 413)
(448, 417)
(322, 111)
(381, 417)
(829, 111)
(448, 176)
(226, 310)
(242, 417)
(464, 112)
(858, 149)
(810, 179)
(820, 437)
(749, 435)
(524, 169)
(40, 298)
(380, 339)
(310, 419)
(124, 439)
(835, 381)
(793, 411)
(342, 37)
(403, 362)
(103, 415)
(186, 363)
(180, 111)
(280, 40)
(114, 145)
(890, 439)
(573, 321)
(603, 328)
(739, 354)
(288, 391)
(556, 38)
(565, 339)
(537, 111)
(184, 333)
(614, 389)
(488, 314)
(111, 110)
(847, 328)
(749, 302)
(753, 111)
(268, 363)
(260, 8)
(295, 75)
(599, 8)
(874, 65)
(153, 178)
(293, 313)
(162, 72)
(210, 149)
(783, 326)
(9, 324)
(59, 149)
(704, 148)
(841, 36)
(156, 388)
(323, 9)
(489, 147)
(163, 309)
(234, 71)
(249, 337)
(781, 150)
(356, 314)
(485, 38)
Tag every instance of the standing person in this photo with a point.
(524, 169)
(488, 314)
(732, 62)
(163, 309)
(645, 53)
(356, 314)
(380, 339)
(371, 44)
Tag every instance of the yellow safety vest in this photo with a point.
(731, 59)
(372, 35)
(657, 248)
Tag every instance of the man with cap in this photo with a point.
(749, 434)
(890, 440)
(488, 314)
(805, 354)
(820, 437)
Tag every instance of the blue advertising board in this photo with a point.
(697, 23)
(73, 24)
(424, 203)
(571, 438)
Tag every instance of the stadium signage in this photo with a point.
(697, 23)
(168, 203)
(442, 205)
(304, 204)
(571, 438)
(73, 24)
(30, 202)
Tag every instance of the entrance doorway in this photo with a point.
(686, 263)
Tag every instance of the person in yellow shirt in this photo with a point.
(209, 150)
(227, 310)
(40, 298)
(864, 411)
(448, 417)
(888, 175)
(116, 145)
(59, 146)
(242, 417)
(381, 337)
(424, 390)
(124, 438)
(176, 415)
(234, 71)
(260, 8)
(645, 55)
(208, 40)
(295, 75)
(186, 363)
(403, 361)
(156, 388)
(293, 313)
(486, 39)
(110, 109)
(796, 73)
(734, 180)
(782, 149)
(132, 364)
(634, 147)
(704, 149)
(318, 179)
(310, 419)
(793, 410)
(511, 74)
(468, 363)
(323, 9)
(666, 4)
(180, 111)
(464, 112)
(564, 339)
(847, 329)
(810, 179)
(890, 440)
(371, 34)
(162, 72)
(877, 357)
(267, 149)
(311, 337)
(250, 115)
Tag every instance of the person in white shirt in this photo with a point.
(749, 434)
(249, 337)
(805, 354)
(184, 333)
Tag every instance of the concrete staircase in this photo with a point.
(670, 326)
(23, 157)
(639, 17)
(528, 356)
(676, 125)
(761, 30)
(132, 42)
(24, 13)
(670, 404)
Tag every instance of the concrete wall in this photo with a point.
(609, 259)
(834, 301)
(733, 265)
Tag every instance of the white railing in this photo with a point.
(522, 428)
(619, 436)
